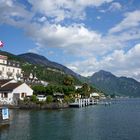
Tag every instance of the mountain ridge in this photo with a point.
(112, 84)
(42, 60)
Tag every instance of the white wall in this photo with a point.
(4, 68)
(13, 70)
(24, 88)
(8, 100)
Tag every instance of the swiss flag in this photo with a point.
(1, 44)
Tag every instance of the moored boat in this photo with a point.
(75, 104)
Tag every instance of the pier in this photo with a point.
(83, 102)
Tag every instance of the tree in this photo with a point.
(68, 80)
(85, 90)
(49, 99)
(93, 89)
(67, 90)
(67, 99)
(49, 90)
(33, 98)
(39, 89)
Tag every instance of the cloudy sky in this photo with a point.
(84, 35)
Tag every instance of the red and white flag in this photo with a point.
(1, 44)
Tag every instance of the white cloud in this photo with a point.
(98, 17)
(7, 2)
(78, 40)
(13, 13)
(115, 6)
(119, 62)
(42, 19)
(102, 10)
(61, 9)
(71, 39)
(131, 20)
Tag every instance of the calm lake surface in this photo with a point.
(119, 121)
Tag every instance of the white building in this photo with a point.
(9, 69)
(95, 95)
(78, 87)
(11, 91)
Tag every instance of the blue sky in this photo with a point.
(84, 35)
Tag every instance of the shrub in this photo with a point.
(33, 98)
(49, 99)
(66, 99)
(26, 99)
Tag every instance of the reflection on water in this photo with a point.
(19, 126)
(120, 121)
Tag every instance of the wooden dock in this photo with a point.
(83, 102)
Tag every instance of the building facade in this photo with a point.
(12, 91)
(9, 69)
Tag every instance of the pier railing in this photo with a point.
(83, 102)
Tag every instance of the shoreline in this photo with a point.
(43, 106)
(31, 105)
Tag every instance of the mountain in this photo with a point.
(111, 84)
(54, 72)
(43, 68)
(41, 60)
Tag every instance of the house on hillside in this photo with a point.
(9, 69)
(58, 96)
(95, 95)
(78, 87)
(12, 91)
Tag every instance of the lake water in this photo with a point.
(119, 121)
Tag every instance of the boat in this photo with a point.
(75, 104)
(4, 116)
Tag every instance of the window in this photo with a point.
(5, 95)
(13, 70)
(2, 68)
(23, 95)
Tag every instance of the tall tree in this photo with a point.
(85, 90)
(68, 80)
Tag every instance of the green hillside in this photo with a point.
(42, 72)
(50, 75)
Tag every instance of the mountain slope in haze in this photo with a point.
(41, 60)
(111, 84)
